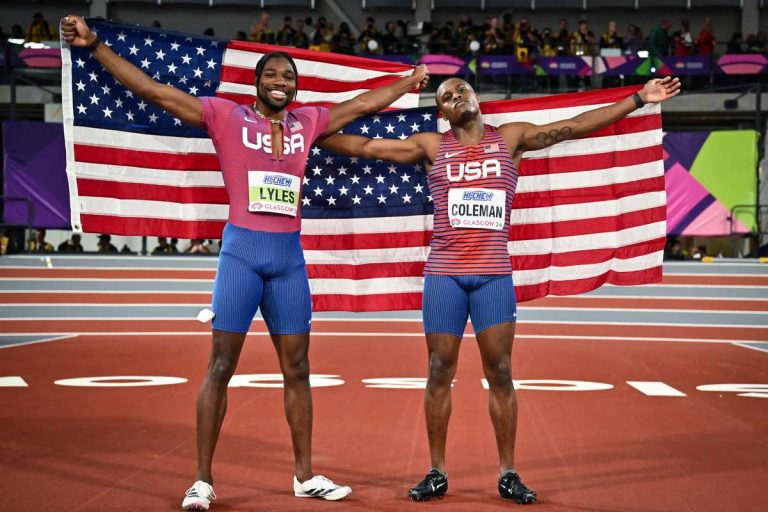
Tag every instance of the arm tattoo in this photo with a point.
(554, 136)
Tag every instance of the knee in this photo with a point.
(499, 374)
(221, 369)
(441, 372)
(296, 371)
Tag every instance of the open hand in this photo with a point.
(660, 89)
(76, 32)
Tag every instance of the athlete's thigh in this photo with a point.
(237, 292)
(445, 305)
(492, 301)
(286, 303)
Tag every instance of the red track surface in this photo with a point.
(103, 449)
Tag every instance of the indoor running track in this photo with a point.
(650, 398)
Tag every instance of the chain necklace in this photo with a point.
(259, 114)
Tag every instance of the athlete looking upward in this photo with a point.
(262, 149)
(472, 174)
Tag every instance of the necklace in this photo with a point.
(259, 114)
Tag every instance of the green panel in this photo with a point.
(727, 167)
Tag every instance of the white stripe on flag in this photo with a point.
(142, 141)
(610, 240)
(595, 145)
(146, 176)
(153, 209)
(380, 285)
(584, 179)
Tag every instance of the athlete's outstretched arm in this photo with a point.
(374, 100)
(412, 150)
(530, 137)
(179, 104)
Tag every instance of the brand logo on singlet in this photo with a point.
(471, 171)
(277, 180)
(263, 141)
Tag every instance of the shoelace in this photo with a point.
(325, 481)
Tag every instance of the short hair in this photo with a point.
(274, 55)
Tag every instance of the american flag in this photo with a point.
(587, 212)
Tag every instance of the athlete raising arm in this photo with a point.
(262, 149)
(472, 174)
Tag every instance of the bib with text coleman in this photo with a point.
(479, 208)
(273, 192)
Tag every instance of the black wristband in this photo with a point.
(639, 103)
(95, 44)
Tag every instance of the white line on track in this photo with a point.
(34, 342)
(522, 306)
(403, 335)
(743, 344)
(383, 319)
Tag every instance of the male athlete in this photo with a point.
(263, 150)
(472, 174)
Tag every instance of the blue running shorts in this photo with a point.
(260, 269)
(449, 300)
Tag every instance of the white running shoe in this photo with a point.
(199, 496)
(320, 487)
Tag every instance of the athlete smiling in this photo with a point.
(262, 150)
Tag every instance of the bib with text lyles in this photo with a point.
(479, 208)
(273, 192)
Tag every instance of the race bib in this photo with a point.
(479, 208)
(273, 192)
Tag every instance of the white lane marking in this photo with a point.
(655, 388)
(54, 337)
(763, 348)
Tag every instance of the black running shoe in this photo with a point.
(434, 485)
(512, 488)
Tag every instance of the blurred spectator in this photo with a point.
(466, 32)
(391, 43)
(301, 40)
(705, 43)
(241, 36)
(197, 246)
(611, 38)
(658, 39)
(683, 40)
(321, 38)
(163, 247)
(126, 250)
(563, 38)
(735, 44)
(105, 244)
(370, 33)
(40, 30)
(175, 245)
(548, 43)
(493, 39)
(442, 40)
(260, 31)
(698, 252)
(675, 252)
(527, 38)
(582, 40)
(287, 35)
(38, 243)
(633, 43)
(344, 40)
(3, 35)
(209, 32)
(71, 245)
(756, 43)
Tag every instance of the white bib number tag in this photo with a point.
(273, 192)
(479, 208)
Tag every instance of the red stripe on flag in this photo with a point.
(146, 159)
(577, 286)
(142, 191)
(626, 125)
(596, 97)
(324, 57)
(117, 225)
(366, 271)
(311, 83)
(590, 162)
(589, 226)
